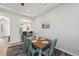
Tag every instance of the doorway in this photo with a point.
(25, 28)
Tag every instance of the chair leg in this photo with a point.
(33, 52)
(40, 51)
(45, 54)
(28, 52)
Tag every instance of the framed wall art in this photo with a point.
(46, 25)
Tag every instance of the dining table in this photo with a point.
(41, 43)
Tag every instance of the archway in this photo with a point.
(4, 34)
(4, 26)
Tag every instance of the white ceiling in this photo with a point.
(34, 9)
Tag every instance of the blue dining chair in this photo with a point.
(52, 47)
(26, 46)
(32, 50)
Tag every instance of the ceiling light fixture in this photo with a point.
(22, 4)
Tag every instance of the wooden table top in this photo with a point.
(41, 43)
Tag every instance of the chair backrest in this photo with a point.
(27, 43)
(31, 49)
(51, 49)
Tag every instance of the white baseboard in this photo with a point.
(67, 51)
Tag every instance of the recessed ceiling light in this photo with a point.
(28, 11)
